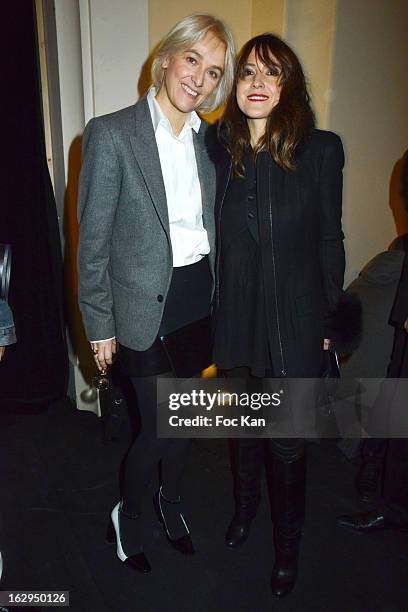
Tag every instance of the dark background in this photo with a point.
(35, 369)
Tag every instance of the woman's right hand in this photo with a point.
(103, 353)
(2, 351)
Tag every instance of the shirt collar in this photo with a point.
(159, 118)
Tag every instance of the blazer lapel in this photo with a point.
(206, 175)
(147, 156)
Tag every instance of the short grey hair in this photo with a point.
(185, 33)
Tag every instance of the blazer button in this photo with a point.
(251, 197)
(251, 215)
(160, 297)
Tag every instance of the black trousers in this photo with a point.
(395, 482)
(188, 300)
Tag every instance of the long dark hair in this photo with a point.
(290, 121)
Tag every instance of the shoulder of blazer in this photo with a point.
(324, 141)
(320, 146)
(123, 120)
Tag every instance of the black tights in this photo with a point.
(148, 450)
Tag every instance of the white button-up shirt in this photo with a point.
(189, 240)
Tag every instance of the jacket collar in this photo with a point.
(145, 150)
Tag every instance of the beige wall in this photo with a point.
(354, 55)
(309, 29)
(369, 110)
(245, 17)
(237, 13)
(268, 16)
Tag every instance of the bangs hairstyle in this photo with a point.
(183, 35)
(290, 121)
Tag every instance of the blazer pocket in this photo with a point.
(121, 286)
(309, 304)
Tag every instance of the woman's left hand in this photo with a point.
(326, 344)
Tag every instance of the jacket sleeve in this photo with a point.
(331, 248)
(399, 313)
(99, 190)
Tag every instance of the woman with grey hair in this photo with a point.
(146, 254)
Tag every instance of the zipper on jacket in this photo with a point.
(217, 269)
(283, 371)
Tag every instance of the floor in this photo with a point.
(59, 480)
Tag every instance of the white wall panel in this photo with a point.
(118, 36)
(102, 46)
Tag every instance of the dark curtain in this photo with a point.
(35, 369)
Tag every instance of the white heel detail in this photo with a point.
(164, 520)
(115, 522)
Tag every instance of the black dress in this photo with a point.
(241, 337)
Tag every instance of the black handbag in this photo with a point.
(331, 366)
(330, 380)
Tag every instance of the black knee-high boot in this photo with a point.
(287, 482)
(247, 460)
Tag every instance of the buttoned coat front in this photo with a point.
(125, 254)
(301, 245)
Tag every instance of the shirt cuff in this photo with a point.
(104, 340)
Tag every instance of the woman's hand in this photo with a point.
(326, 344)
(406, 325)
(103, 353)
(2, 351)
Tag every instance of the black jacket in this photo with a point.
(301, 240)
(399, 314)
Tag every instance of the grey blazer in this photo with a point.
(125, 254)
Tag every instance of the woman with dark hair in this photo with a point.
(280, 269)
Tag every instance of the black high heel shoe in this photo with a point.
(285, 568)
(238, 530)
(184, 543)
(136, 561)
